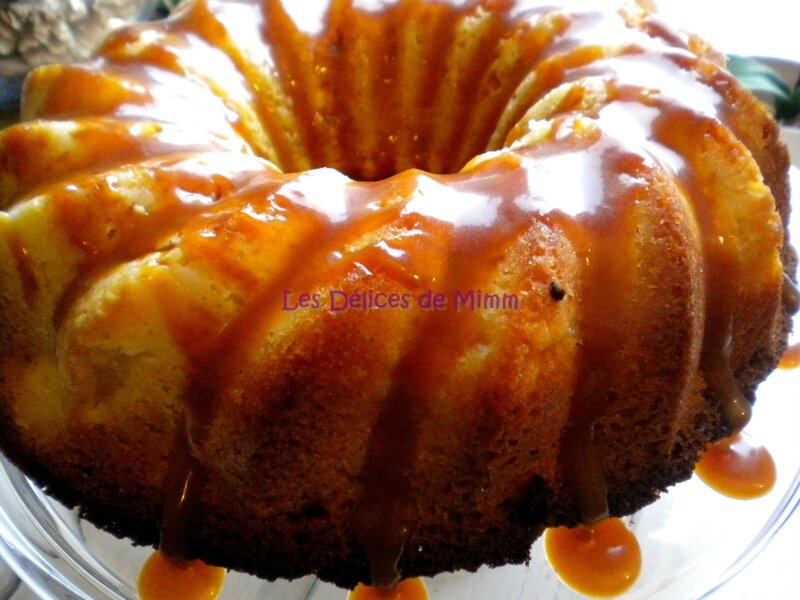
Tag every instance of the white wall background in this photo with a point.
(760, 28)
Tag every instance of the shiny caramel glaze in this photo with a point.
(167, 205)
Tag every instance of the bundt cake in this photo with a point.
(383, 286)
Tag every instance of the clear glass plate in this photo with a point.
(695, 543)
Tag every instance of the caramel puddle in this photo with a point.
(738, 467)
(407, 589)
(601, 560)
(163, 579)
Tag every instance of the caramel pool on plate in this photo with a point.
(738, 467)
(791, 358)
(407, 589)
(162, 579)
(601, 560)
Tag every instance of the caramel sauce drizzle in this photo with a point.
(602, 328)
(469, 253)
(601, 560)
(326, 211)
(184, 485)
(672, 131)
(25, 268)
(791, 294)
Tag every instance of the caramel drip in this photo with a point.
(184, 486)
(723, 270)
(217, 353)
(738, 466)
(164, 579)
(605, 250)
(791, 357)
(668, 138)
(597, 226)
(25, 268)
(673, 131)
(378, 522)
(791, 295)
(601, 560)
(440, 338)
(407, 589)
(735, 409)
(218, 350)
(193, 191)
(690, 112)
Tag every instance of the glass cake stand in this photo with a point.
(696, 544)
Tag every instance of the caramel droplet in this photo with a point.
(600, 560)
(407, 589)
(791, 358)
(162, 579)
(737, 467)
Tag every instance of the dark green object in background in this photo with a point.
(761, 79)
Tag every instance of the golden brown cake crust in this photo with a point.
(183, 217)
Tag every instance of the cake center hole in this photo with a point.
(372, 98)
(373, 138)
